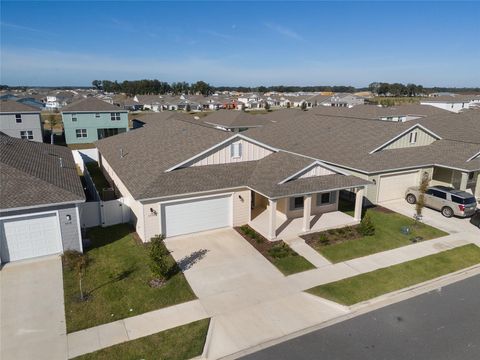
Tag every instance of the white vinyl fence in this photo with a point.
(98, 212)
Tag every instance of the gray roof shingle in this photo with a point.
(9, 106)
(91, 104)
(31, 174)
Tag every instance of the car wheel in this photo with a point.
(447, 212)
(411, 199)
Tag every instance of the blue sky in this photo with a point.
(241, 43)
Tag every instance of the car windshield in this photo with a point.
(464, 201)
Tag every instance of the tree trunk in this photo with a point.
(81, 289)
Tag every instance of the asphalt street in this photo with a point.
(442, 324)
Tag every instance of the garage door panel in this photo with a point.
(28, 237)
(393, 187)
(197, 215)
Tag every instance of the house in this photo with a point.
(39, 200)
(20, 121)
(179, 177)
(345, 100)
(235, 121)
(453, 103)
(390, 155)
(90, 119)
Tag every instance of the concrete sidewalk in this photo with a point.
(334, 272)
(301, 248)
(99, 337)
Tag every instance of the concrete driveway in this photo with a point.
(249, 300)
(434, 218)
(32, 310)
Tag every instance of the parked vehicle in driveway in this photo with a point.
(475, 219)
(449, 201)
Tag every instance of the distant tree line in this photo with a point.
(396, 89)
(151, 87)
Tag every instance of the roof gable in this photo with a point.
(317, 168)
(405, 133)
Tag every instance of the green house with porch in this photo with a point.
(90, 119)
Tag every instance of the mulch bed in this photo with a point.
(263, 245)
(333, 236)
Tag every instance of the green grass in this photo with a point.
(387, 236)
(116, 280)
(183, 342)
(292, 264)
(369, 285)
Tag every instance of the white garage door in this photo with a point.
(29, 237)
(191, 216)
(393, 187)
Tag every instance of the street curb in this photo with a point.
(208, 339)
(368, 306)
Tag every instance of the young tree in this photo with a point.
(159, 258)
(77, 262)
(420, 204)
(52, 121)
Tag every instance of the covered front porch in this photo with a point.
(287, 218)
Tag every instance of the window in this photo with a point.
(74, 117)
(81, 133)
(103, 133)
(18, 118)
(27, 134)
(236, 150)
(296, 203)
(413, 137)
(115, 116)
(437, 193)
(470, 176)
(97, 115)
(326, 198)
(464, 201)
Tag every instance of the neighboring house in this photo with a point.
(30, 101)
(179, 177)
(345, 100)
(454, 103)
(20, 121)
(391, 155)
(40, 195)
(90, 119)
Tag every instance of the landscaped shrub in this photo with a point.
(248, 231)
(159, 256)
(281, 251)
(323, 239)
(367, 227)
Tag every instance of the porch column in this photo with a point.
(307, 211)
(272, 219)
(358, 204)
(464, 181)
(477, 187)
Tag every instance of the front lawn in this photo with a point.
(116, 281)
(277, 252)
(344, 244)
(372, 284)
(182, 342)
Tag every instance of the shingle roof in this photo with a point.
(91, 104)
(234, 119)
(9, 106)
(375, 112)
(151, 150)
(31, 174)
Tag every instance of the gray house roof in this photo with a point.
(91, 104)
(31, 174)
(234, 119)
(9, 106)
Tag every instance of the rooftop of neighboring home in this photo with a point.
(46, 174)
(454, 98)
(234, 119)
(9, 106)
(91, 104)
(351, 142)
(376, 112)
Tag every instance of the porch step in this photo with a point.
(299, 245)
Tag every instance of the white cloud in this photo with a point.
(286, 32)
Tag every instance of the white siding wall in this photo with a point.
(315, 171)
(423, 139)
(135, 206)
(250, 152)
(30, 122)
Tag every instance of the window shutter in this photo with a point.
(232, 150)
(239, 149)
